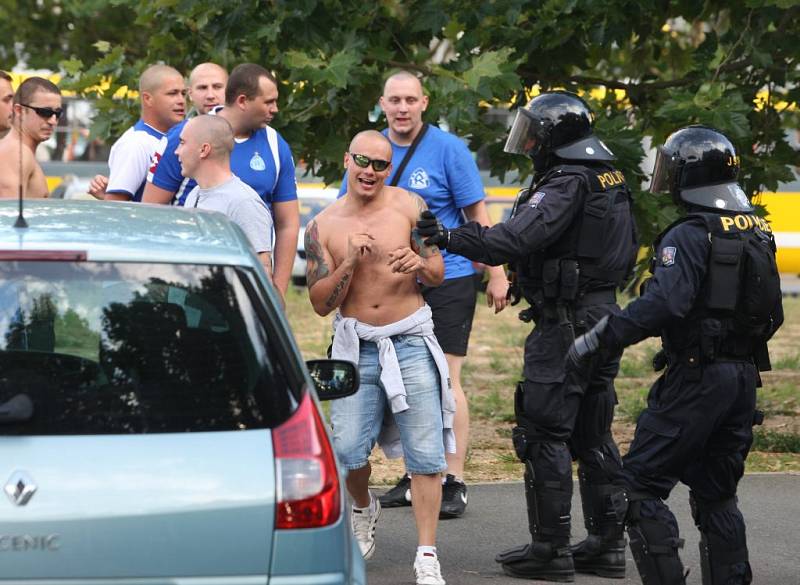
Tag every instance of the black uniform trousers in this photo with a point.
(565, 417)
(697, 429)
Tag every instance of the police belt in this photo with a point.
(693, 357)
(604, 296)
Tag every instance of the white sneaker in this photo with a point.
(427, 570)
(363, 524)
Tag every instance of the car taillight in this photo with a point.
(309, 494)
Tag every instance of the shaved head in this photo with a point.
(206, 69)
(402, 76)
(371, 137)
(214, 130)
(154, 76)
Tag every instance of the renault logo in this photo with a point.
(20, 488)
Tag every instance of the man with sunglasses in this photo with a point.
(36, 111)
(364, 262)
(440, 168)
(163, 100)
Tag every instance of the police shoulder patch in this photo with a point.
(668, 254)
(536, 198)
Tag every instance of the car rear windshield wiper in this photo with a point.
(17, 409)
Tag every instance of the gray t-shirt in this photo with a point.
(242, 205)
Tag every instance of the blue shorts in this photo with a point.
(357, 419)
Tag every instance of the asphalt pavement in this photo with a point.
(496, 519)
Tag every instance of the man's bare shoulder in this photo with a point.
(407, 202)
(330, 212)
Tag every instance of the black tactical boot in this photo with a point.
(538, 560)
(605, 558)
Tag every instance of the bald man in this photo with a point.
(163, 104)
(164, 181)
(443, 172)
(364, 263)
(204, 152)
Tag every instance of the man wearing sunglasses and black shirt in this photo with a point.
(36, 111)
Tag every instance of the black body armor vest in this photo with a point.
(739, 306)
(597, 251)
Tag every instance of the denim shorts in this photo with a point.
(357, 419)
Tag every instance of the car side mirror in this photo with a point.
(333, 378)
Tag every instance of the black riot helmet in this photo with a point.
(559, 125)
(699, 166)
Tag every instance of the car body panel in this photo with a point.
(219, 485)
(141, 232)
(178, 504)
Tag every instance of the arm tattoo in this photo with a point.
(420, 247)
(316, 267)
(421, 205)
(337, 290)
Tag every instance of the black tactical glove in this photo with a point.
(432, 230)
(584, 347)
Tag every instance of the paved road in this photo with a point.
(496, 519)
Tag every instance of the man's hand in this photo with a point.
(405, 261)
(497, 289)
(358, 246)
(432, 230)
(98, 186)
(584, 347)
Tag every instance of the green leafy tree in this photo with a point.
(648, 66)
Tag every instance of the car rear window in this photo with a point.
(124, 348)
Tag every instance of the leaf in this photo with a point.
(102, 46)
(338, 70)
(486, 64)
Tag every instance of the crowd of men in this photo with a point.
(391, 260)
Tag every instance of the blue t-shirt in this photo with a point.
(443, 172)
(251, 161)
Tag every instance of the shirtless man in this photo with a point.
(6, 102)
(37, 108)
(364, 262)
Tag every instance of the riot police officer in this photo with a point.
(715, 300)
(573, 242)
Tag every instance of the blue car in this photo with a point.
(157, 423)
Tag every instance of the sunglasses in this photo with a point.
(46, 113)
(364, 162)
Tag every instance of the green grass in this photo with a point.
(632, 403)
(771, 441)
(492, 405)
(779, 399)
(789, 362)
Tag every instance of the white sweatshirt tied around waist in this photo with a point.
(348, 332)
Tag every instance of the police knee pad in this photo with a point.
(654, 543)
(724, 559)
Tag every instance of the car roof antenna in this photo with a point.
(20, 223)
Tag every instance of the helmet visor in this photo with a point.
(663, 172)
(520, 138)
